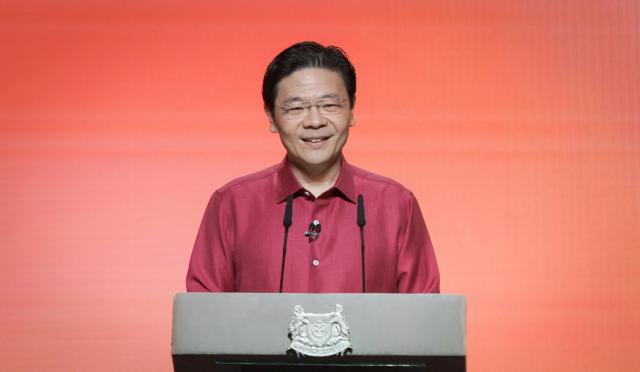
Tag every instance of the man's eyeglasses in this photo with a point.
(325, 107)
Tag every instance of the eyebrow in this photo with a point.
(299, 99)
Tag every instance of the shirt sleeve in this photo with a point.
(417, 266)
(211, 266)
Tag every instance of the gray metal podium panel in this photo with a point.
(380, 324)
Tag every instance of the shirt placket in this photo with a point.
(316, 244)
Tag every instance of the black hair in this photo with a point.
(304, 55)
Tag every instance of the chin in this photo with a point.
(312, 161)
(320, 161)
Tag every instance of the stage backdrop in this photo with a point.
(515, 123)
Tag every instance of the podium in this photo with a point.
(247, 332)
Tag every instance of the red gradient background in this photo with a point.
(515, 123)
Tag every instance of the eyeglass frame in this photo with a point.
(286, 111)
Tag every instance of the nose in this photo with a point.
(314, 119)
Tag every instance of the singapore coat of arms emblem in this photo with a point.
(319, 334)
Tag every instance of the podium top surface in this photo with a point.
(258, 323)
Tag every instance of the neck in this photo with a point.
(317, 179)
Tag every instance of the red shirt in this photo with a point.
(239, 244)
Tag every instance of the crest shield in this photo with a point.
(319, 328)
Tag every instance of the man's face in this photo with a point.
(312, 115)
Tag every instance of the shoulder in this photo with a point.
(252, 181)
(375, 183)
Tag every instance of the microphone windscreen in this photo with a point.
(361, 219)
(288, 212)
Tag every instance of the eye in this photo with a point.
(331, 107)
(293, 110)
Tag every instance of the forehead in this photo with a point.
(311, 83)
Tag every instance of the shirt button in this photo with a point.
(316, 262)
(306, 193)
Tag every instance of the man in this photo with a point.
(309, 95)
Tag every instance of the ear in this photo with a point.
(352, 118)
(272, 124)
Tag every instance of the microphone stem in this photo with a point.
(286, 222)
(284, 255)
(364, 289)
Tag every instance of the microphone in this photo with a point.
(313, 232)
(286, 222)
(361, 220)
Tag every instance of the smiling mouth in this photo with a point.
(315, 140)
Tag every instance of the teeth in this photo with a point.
(315, 140)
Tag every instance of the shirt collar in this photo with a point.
(287, 184)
